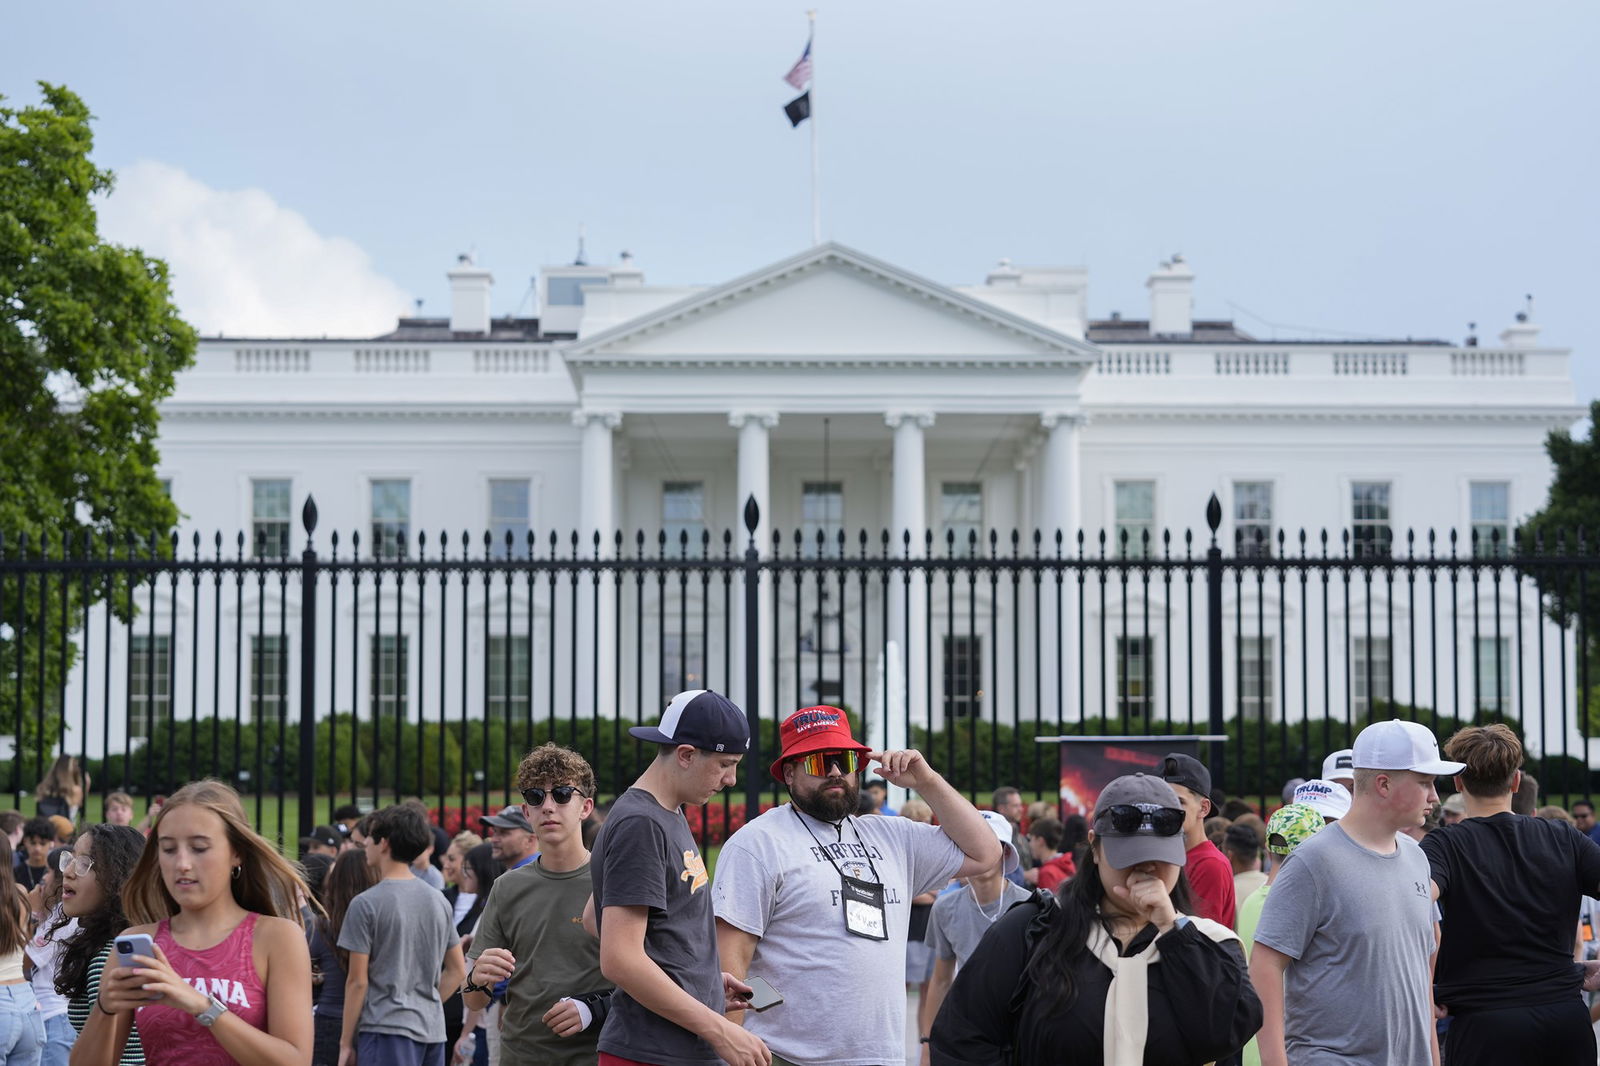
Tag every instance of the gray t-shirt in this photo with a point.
(645, 856)
(1359, 925)
(958, 922)
(777, 879)
(403, 927)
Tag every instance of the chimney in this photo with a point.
(628, 275)
(1004, 275)
(1172, 299)
(469, 297)
(1522, 333)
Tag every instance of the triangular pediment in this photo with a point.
(829, 303)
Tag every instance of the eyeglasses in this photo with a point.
(563, 794)
(816, 764)
(76, 865)
(1130, 817)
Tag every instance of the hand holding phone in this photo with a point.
(762, 995)
(128, 945)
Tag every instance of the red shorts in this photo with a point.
(612, 1060)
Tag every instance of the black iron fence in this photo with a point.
(427, 667)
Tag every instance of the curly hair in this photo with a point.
(267, 883)
(549, 765)
(115, 850)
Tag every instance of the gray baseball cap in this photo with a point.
(1151, 795)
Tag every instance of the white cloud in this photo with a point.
(243, 264)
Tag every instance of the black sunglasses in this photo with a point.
(1128, 817)
(534, 797)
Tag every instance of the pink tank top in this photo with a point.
(227, 971)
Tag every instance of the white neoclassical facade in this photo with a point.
(843, 392)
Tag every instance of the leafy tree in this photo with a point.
(90, 343)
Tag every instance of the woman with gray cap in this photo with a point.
(1113, 970)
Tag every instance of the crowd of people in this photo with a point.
(1362, 921)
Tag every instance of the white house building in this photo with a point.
(845, 393)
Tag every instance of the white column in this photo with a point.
(596, 609)
(755, 479)
(1060, 491)
(908, 513)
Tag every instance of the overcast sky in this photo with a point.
(1355, 169)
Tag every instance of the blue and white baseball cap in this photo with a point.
(705, 719)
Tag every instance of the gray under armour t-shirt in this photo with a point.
(1359, 925)
(959, 921)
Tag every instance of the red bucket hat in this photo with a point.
(814, 729)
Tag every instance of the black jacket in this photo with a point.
(1202, 1006)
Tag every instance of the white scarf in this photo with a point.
(1127, 1000)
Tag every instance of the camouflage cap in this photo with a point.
(1290, 826)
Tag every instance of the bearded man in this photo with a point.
(808, 891)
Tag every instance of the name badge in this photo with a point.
(864, 914)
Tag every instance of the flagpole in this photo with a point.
(816, 184)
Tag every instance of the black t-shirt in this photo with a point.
(1509, 889)
(29, 876)
(645, 856)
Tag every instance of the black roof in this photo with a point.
(1224, 331)
(435, 330)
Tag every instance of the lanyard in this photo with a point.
(865, 851)
(865, 914)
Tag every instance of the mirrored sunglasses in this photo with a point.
(563, 794)
(816, 764)
(1126, 818)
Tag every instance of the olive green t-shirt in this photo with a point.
(537, 915)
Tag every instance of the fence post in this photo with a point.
(752, 658)
(1217, 757)
(308, 673)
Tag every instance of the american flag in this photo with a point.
(801, 72)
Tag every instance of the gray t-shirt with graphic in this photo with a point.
(404, 929)
(1359, 925)
(958, 920)
(778, 878)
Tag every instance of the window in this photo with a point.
(568, 291)
(391, 518)
(166, 487)
(1252, 518)
(269, 671)
(1136, 675)
(963, 676)
(683, 663)
(149, 684)
(822, 512)
(508, 514)
(1370, 532)
(269, 518)
(1371, 673)
(961, 513)
(1491, 518)
(1136, 517)
(1255, 677)
(510, 681)
(390, 678)
(1491, 687)
(683, 511)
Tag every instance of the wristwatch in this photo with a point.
(209, 1016)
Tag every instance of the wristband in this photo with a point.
(471, 986)
(102, 1008)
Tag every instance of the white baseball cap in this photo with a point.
(1002, 829)
(1340, 766)
(1397, 745)
(1328, 798)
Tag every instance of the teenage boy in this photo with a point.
(1052, 866)
(1343, 952)
(531, 929)
(959, 919)
(405, 959)
(38, 837)
(658, 938)
(1210, 873)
